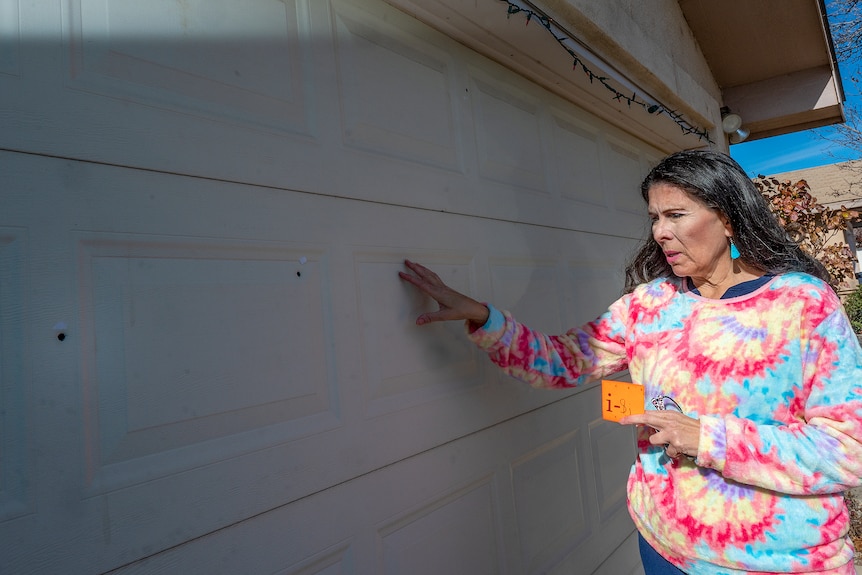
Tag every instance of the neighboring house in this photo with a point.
(834, 186)
(208, 363)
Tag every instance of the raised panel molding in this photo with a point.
(16, 479)
(459, 507)
(577, 160)
(417, 120)
(335, 561)
(613, 451)
(457, 533)
(235, 61)
(152, 394)
(406, 366)
(551, 501)
(593, 284)
(530, 289)
(10, 37)
(509, 137)
(623, 178)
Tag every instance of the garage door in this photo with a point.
(208, 364)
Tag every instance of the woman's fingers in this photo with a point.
(452, 305)
(423, 273)
(443, 314)
(423, 278)
(679, 433)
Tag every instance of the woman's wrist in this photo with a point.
(479, 318)
(482, 315)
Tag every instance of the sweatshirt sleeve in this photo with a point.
(819, 452)
(580, 355)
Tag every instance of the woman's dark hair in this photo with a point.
(719, 182)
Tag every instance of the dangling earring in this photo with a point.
(734, 251)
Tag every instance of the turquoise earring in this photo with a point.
(734, 251)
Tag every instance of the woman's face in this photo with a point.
(693, 237)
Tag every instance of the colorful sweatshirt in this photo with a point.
(775, 379)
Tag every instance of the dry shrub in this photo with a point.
(811, 224)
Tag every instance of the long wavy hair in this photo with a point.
(717, 181)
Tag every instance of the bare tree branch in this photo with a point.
(846, 24)
(845, 19)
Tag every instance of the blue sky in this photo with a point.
(800, 150)
(797, 151)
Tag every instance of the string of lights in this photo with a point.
(565, 39)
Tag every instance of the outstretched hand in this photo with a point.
(452, 305)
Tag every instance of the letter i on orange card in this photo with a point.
(620, 398)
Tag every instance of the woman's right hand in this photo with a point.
(452, 305)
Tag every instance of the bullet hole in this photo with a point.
(299, 274)
(61, 336)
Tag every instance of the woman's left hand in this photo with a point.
(679, 433)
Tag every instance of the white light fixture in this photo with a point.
(739, 136)
(731, 124)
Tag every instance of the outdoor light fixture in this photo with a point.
(731, 124)
(738, 136)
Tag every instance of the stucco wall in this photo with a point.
(652, 42)
(649, 43)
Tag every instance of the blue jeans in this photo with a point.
(655, 564)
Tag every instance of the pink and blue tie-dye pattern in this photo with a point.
(775, 378)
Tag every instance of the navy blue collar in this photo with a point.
(737, 290)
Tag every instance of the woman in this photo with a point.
(753, 423)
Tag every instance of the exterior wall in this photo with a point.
(653, 42)
(649, 43)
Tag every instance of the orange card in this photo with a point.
(620, 399)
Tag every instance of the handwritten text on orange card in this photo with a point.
(620, 399)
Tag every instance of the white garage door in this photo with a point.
(208, 363)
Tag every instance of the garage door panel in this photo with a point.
(184, 345)
(229, 61)
(454, 533)
(591, 282)
(613, 453)
(16, 394)
(407, 115)
(508, 134)
(625, 170)
(460, 507)
(338, 561)
(617, 560)
(405, 366)
(551, 500)
(583, 168)
(414, 119)
(589, 544)
(577, 161)
(148, 518)
(528, 287)
(175, 434)
(10, 38)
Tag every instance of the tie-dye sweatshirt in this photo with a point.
(775, 379)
